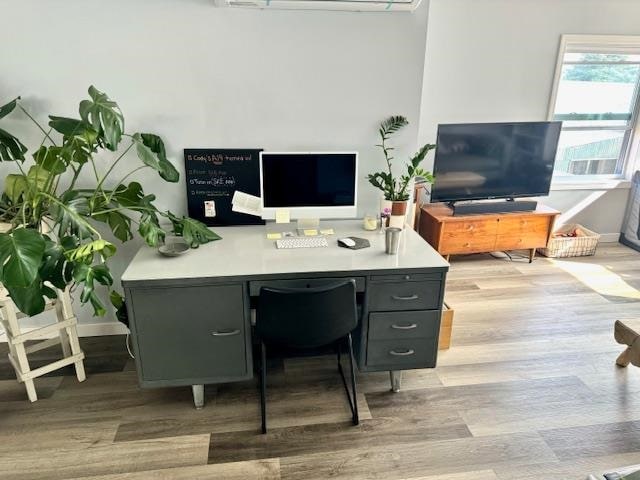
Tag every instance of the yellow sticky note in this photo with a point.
(310, 232)
(274, 236)
(282, 215)
(327, 231)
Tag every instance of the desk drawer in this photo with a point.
(405, 353)
(190, 332)
(404, 296)
(255, 286)
(399, 325)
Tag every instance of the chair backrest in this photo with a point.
(307, 317)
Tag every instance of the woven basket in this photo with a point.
(581, 246)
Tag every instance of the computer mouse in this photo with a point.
(347, 242)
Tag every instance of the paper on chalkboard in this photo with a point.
(245, 203)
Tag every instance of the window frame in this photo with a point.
(631, 150)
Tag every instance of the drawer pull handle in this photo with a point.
(225, 333)
(409, 297)
(406, 353)
(405, 327)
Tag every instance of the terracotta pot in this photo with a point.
(399, 208)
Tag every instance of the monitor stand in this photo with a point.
(308, 225)
(480, 208)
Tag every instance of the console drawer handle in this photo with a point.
(405, 327)
(406, 353)
(225, 333)
(410, 297)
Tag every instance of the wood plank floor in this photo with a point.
(529, 390)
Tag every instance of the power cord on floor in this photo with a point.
(511, 257)
(126, 341)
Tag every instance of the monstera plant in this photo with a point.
(52, 238)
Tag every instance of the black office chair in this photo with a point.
(303, 318)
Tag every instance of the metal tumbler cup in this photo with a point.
(392, 240)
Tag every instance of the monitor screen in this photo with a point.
(291, 180)
(494, 160)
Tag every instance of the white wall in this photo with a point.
(494, 60)
(202, 76)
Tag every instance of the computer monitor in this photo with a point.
(309, 184)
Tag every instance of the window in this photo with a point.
(595, 95)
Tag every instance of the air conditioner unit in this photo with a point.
(348, 5)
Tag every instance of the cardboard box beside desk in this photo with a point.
(446, 324)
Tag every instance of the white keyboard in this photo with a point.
(302, 242)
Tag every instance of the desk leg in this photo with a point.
(198, 396)
(532, 254)
(396, 379)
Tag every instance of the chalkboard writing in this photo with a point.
(213, 175)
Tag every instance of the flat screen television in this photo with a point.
(494, 160)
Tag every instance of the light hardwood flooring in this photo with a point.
(528, 390)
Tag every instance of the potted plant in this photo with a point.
(53, 239)
(397, 190)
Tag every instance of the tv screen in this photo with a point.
(494, 160)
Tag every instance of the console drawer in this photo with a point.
(405, 353)
(523, 240)
(467, 244)
(255, 286)
(523, 225)
(399, 325)
(404, 296)
(483, 228)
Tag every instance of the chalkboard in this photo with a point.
(214, 174)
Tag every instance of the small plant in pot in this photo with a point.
(51, 238)
(397, 189)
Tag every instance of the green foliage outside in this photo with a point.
(602, 72)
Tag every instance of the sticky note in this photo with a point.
(310, 232)
(282, 215)
(327, 231)
(274, 236)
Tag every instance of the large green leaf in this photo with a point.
(8, 108)
(88, 250)
(14, 186)
(151, 151)
(11, 149)
(104, 115)
(117, 301)
(131, 195)
(55, 268)
(119, 224)
(29, 300)
(51, 159)
(150, 230)
(72, 127)
(72, 214)
(20, 256)
(195, 233)
(86, 275)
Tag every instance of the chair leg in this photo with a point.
(263, 386)
(356, 418)
(351, 396)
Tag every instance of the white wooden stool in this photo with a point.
(65, 327)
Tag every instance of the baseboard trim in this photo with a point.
(609, 237)
(84, 330)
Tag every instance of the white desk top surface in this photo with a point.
(246, 251)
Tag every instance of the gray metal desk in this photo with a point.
(190, 315)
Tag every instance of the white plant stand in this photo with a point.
(67, 337)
